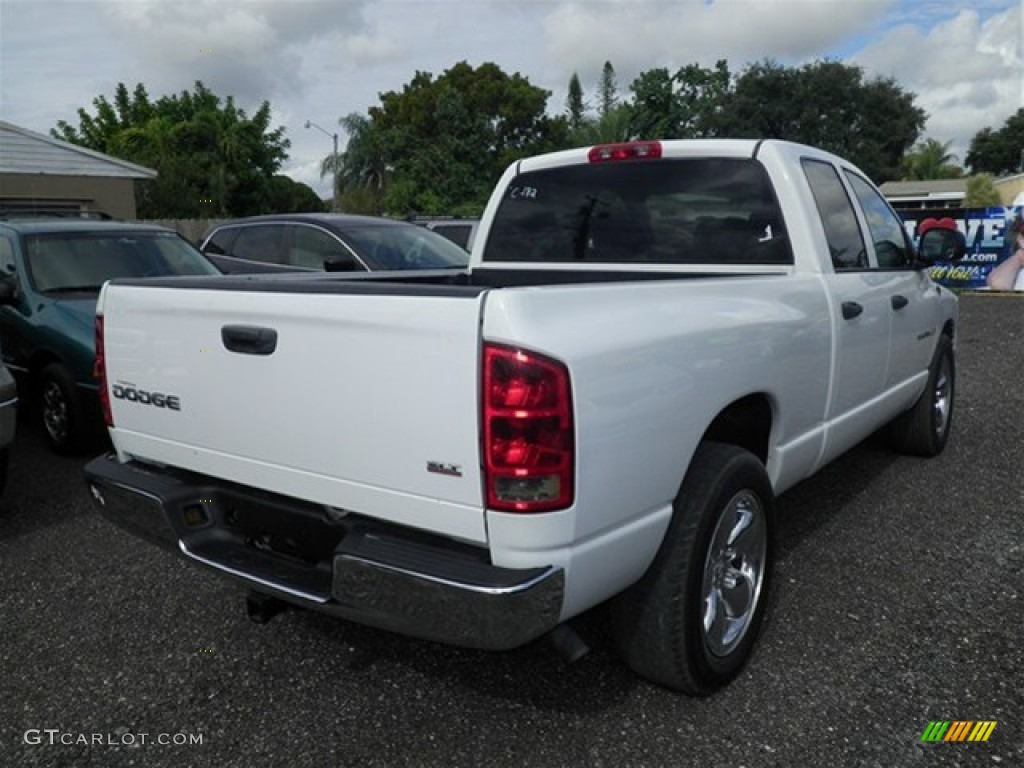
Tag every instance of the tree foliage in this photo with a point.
(289, 196)
(931, 159)
(607, 90)
(684, 105)
(981, 192)
(999, 152)
(829, 105)
(213, 160)
(575, 108)
(440, 144)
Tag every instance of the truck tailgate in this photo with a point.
(364, 403)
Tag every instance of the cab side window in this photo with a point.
(890, 239)
(845, 242)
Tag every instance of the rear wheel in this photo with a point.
(691, 621)
(63, 416)
(924, 429)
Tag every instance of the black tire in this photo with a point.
(4, 461)
(658, 623)
(924, 429)
(63, 418)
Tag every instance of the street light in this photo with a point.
(334, 161)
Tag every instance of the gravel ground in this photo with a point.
(897, 601)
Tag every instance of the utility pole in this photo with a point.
(334, 162)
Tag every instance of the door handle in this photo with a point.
(899, 302)
(249, 339)
(851, 309)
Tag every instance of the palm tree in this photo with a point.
(931, 159)
(360, 172)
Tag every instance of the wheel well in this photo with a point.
(39, 361)
(947, 329)
(746, 423)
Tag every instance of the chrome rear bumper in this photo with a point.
(377, 574)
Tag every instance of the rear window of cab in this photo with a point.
(661, 211)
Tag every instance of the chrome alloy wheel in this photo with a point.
(734, 572)
(942, 396)
(55, 412)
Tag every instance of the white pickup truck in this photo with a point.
(652, 340)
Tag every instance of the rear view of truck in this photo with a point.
(652, 340)
(325, 449)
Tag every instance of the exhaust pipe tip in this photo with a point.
(568, 643)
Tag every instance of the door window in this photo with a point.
(311, 247)
(891, 247)
(220, 241)
(845, 242)
(262, 242)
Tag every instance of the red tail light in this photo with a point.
(99, 372)
(631, 150)
(528, 440)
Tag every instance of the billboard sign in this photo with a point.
(992, 246)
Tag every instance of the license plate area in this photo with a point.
(286, 544)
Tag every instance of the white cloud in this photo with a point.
(637, 35)
(364, 49)
(967, 70)
(252, 49)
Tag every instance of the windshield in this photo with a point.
(674, 211)
(405, 247)
(83, 261)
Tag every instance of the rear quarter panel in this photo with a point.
(652, 364)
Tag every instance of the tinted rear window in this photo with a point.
(679, 211)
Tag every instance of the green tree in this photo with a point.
(981, 192)
(829, 105)
(607, 90)
(613, 126)
(999, 152)
(290, 196)
(360, 171)
(931, 159)
(439, 145)
(213, 160)
(575, 108)
(684, 105)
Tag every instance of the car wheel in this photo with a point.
(924, 429)
(61, 409)
(691, 621)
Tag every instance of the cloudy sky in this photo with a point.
(321, 59)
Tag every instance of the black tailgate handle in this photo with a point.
(249, 339)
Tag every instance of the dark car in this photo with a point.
(462, 232)
(327, 241)
(51, 271)
(8, 419)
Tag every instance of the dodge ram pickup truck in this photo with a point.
(652, 340)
